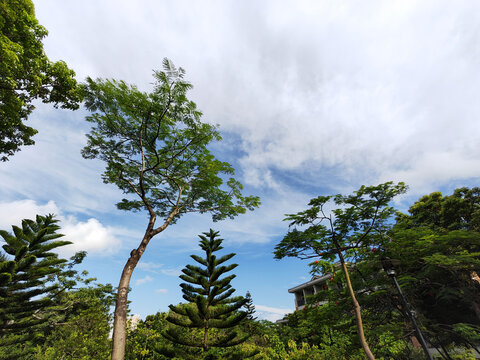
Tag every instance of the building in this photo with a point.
(309, 288)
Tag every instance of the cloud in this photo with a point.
(271, 313)
(143, 280)
(149, 266)
(53, 169)
(367, 92)
(171, 272)
(161, 291)
(320, 97)
(155, 268)
(11, 213)
(368, 98)
(90, 235)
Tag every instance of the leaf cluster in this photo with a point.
(27, 74)
(358, 223)
(155, 148)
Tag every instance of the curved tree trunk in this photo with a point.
(357, 309)
(120, 317)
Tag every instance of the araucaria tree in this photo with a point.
(211, 304)
(357, 226)
(26, 289)
(155, 148)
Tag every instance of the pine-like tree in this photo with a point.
(249, 307)
(26, 272)
(212, 309)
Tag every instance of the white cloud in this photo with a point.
(363, 89)
(161, 291)
(429, 169)
(379, 86)
(319, 92)
(271, 313)
(171, 272)
(90, 235)
(12, 213)
(155, 268)
(149, 266)
(143, 280)
(53, 169)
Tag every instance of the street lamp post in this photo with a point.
(387, 264)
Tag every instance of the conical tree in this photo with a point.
(26, 287)
(212, 309)
(249, 307)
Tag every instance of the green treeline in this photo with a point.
(50, 311)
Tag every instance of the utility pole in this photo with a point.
(387, 264)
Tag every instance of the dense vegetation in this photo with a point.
(437, 242)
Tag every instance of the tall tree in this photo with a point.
(28, 290)
(355, 227)
(249, 307)
(155, 148)
(438, 243)
(27, 74)
(459, 211)
(210, 302)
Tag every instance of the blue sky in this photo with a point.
(312, 97)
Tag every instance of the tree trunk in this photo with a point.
(205, 338)
(120, 317)
(356, 306)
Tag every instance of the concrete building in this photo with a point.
(311, 287)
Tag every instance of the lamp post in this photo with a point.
(388, 266)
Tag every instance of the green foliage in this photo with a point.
(27, 74)
(437, 275)
(351, 229)
(459, 211)
(40, 312)
(438, 252)
(438, 243)
(155, 147)
(436, 272)
(82, 325)
(331, 329)
(349, 232)
(211, 307)
(249, 307)
(146, 341)
(28, 290)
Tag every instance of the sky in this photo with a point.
(312, 98)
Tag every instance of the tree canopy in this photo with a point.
(437, 269)
(357, 225)
(27, 74)
(155, 147)
(210, 305)
(27, 287)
